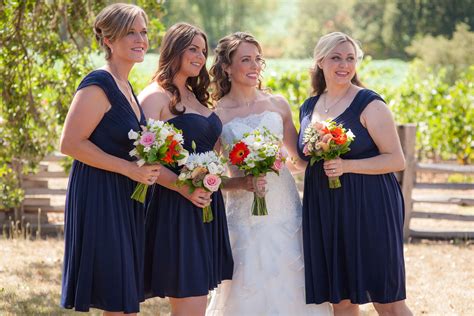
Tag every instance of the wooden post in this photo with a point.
(407, 134)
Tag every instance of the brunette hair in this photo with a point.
(176, 40)
(324, 46)
(225, 50)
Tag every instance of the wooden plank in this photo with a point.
(441, 234)
(44, 208)
(54, 157)
(445, 186)
(45, 191)
(448, 216)
(46, 175)
(444, 168)
(26, 184)
(443, 200)
(407, 135)
(39, 201)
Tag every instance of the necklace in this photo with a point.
(326, 109)
(245, 101)
(124, 86)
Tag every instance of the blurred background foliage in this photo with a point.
(418, 56)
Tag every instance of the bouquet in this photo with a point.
(158, 142)
(203, 170)
(326, 141)
(257, 153)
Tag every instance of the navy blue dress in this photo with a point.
(185, 257)
(104, 227)
(353, 236)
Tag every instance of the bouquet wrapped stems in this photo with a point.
(259, 204)
(207, 216)
(139, 194)
(334, 182)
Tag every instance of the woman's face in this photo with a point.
(246, 65)
(339, 66)
(133, 46)
(194, 58)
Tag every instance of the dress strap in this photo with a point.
(363, 98)
(103, 80)
(308, 106)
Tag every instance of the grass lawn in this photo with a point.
(440, 279)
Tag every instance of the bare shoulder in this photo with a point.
(154, 94)
(92, 95)
(154, 99)
(280, 105)
(376, 107)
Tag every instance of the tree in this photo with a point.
(316, 18)
(219, 18)
(45, 49)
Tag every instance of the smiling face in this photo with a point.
(339, 66)
(133, 46)
(246, 66)
(194, 57)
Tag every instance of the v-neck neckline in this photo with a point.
(343, 112)
(139, 119)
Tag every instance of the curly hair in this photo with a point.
(324, 46)
(176, 40)
(225, 50)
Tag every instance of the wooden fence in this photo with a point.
(50, 201)
(408, 180)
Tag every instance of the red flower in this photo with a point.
(341, 140)
(238, 153)
(168, 158)
(337, 132)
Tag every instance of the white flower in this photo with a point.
(350, 134)
(184, 159)
(140, 162)
(182, 176)
(132, 134)
(213, 169)
(146, 149)
(133, 152)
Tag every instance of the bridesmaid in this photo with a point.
(184, 257)
(104, 239)
(353, 235)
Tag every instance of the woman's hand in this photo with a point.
(199, 197)
(146, 174)
(334, 168)
(253, 184)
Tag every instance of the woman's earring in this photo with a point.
(229, 78)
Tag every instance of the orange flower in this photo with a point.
(171, 152)
(341, 140)
(239, 152)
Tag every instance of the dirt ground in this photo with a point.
(440, 279)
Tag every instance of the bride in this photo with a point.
(268, 274)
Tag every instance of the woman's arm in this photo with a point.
(380, 124)
(87, 109)
(290, 135)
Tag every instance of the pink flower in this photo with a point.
(277, 165)
(306, 150)
(212, 182)
(147, 139)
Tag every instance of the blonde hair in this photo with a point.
(114, 21)
(324, 46)
(225, 50)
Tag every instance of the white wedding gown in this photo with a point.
(268, 274)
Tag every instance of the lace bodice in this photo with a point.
(282, 196)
